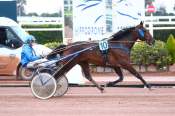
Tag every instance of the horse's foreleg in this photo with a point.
(136, 74)
(86, 71)
(120, 74)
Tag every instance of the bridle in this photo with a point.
(141, 33)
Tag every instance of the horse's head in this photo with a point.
(144, 34)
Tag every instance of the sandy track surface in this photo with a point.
(88, 101)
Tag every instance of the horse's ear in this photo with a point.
(141, 23)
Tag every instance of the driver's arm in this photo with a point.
(29, 54)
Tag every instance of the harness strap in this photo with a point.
(105, 58)
(76, 53)
(120, 46)
(116, 46)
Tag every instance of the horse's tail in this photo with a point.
(59, 50)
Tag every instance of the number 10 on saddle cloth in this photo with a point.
(103, 46)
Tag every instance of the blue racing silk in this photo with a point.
(28, 55)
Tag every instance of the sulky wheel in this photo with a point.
(62, 86)
(25, 73)
(43, 86)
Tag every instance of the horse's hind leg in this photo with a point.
(135, 73)
(86, 71)
(120, 74)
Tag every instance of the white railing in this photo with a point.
(151, 22)
(160, 18)
(41, 21)
(160, 23)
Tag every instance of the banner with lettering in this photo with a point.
(89, 20)
(127, 13)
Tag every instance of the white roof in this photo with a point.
(4, 21)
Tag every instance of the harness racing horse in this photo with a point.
(117, 56)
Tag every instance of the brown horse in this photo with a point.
(116, 57)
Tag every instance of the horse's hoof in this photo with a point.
(104, 85)
(110, 84)
(101, 89)
(148, 86)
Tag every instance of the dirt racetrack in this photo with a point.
(88, 101)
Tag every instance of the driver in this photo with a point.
(28, 54)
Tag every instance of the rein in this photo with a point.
(67, 47)
(77, 53)
(96, 42)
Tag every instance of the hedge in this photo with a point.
(44, 37)
(53, 45)
(158, 55)
(163, 34)
(42, 26)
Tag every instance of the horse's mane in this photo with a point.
(122, 33)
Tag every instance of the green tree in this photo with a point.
(171, 46)
(21, 7)
(32, 14)
(51, 14)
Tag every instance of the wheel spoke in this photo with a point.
(43, 89)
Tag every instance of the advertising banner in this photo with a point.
(89, 20)
(127, 13)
